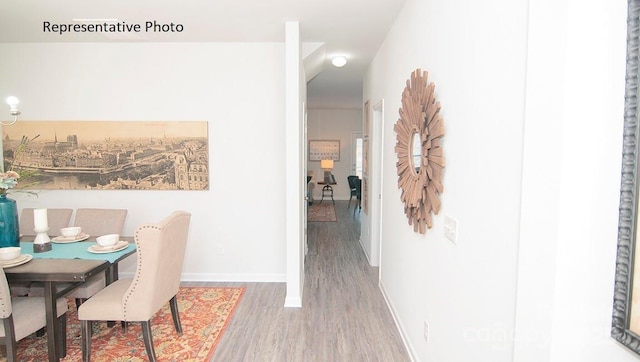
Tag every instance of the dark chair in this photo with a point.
(352, 186)
(358, 187)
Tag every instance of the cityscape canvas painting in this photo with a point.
(108, 155)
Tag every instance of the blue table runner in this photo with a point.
(77, 250)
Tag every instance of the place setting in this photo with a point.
(109, 243)
(70, 234)
(11, 256)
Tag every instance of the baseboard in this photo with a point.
(290, 302)
(366, 252)
(248, 278)
(401, 329)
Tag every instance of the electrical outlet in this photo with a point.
(451, 228)
(219, 249)
(426, 331)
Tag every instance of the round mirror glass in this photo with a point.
(416, 152)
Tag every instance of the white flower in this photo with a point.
(8, 180)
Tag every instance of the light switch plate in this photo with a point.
(451, 228)
(426, 331)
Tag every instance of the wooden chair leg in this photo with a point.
(10, 338)
(62, 334)
(85, 329)
(148, 340)
(174, 313)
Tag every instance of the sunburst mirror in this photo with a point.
(420, 159)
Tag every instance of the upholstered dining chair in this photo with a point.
(94, 222)
(160, 250)
(23, 316)
(57, 219)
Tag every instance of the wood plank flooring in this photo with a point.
(344, 316)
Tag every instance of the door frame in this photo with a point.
(376, 182)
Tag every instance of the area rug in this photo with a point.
(322, 212)
(204, 314)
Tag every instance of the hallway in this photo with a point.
(344, 316)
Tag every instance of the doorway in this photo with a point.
(356, 154)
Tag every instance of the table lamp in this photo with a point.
(327, 166)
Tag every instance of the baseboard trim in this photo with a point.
(366, 252)
(248, 278)
(401, 329)
(290, 302)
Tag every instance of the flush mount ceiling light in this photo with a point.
(339, 61)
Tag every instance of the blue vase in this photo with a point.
(9, 227)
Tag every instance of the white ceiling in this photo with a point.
(354, 28)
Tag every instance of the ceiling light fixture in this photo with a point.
(339, 61)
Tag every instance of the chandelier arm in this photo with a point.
(15, 119)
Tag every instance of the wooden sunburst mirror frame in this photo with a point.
(420, 183)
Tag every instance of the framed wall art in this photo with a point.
(109, 155)
(324, 150)
(626, 301)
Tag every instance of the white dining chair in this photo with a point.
(160, 249)
(57, 219)
(22, 316)
(94, 222)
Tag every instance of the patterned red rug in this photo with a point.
(325, 211)
(204, 314)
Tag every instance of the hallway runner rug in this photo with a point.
(204, 313)
(322, 212)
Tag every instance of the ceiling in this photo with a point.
(354, 28)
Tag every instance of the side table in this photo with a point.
(327, 190)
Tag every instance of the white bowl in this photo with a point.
(107, 240)
(9, 253)
(71, 231)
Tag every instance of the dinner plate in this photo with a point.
(97, 249)
(65, 240)
(23, 258)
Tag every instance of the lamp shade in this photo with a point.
(326, 164)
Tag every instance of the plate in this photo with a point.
(65, 240)
(97, 249)
(23, 258)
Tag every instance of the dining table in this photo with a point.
(61, 270)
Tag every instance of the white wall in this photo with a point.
(238, 88)
(570, 196)
(475, 54)
(511, 156)
(334, 124)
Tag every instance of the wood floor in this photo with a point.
(343, 317)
